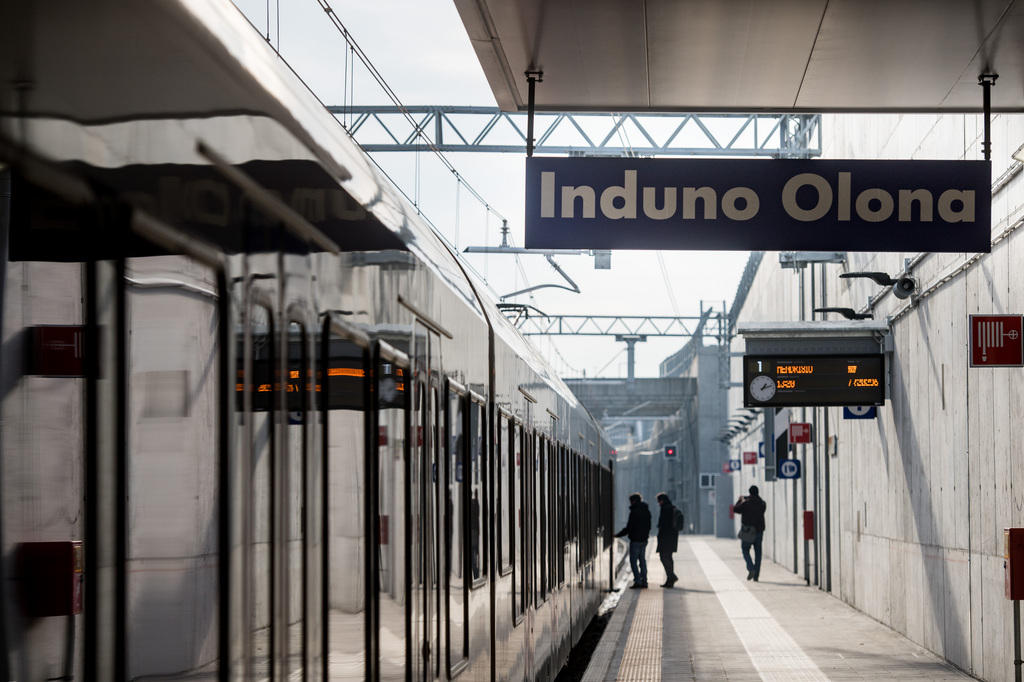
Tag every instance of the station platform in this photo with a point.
(716, 625)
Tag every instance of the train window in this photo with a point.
(571, 508)
(550, 484)
(477, 509)
(579, 503)
(344, 400)
(172, 468)
(540, 538)
(588, 502)
(519, 526)
(594, 510)
(607, 520)
(558, 514)
(504, 483)
(392, 543)
(554, 516)
(583, 505)
(455, 588)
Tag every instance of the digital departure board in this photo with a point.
(813, 380)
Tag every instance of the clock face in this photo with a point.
(762, 388)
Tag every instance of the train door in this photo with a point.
(282, 518)
(530, 545)
(456, 588)
(423, 482)
(345, 396)
(369, 530)
(391, 533)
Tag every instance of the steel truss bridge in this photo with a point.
(488, 129)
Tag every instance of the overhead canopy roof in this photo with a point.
(751, 55)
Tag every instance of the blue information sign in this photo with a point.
(860, 412)
(757, 204)
(734, 465)
(789, 468)
(760, 449)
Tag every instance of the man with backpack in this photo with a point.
(670, 524)
(751, 510)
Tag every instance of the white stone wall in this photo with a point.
(919, 497)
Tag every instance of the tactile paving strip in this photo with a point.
(641, 660)
(775, 655)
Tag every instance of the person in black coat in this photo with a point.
(668, 538)
(751, 509)
(638, 528)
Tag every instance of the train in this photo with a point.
(259, 421)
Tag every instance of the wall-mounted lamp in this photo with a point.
(848, 313)
(902, 287)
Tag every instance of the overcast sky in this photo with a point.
(421, 49)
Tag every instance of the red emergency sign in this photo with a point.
(799, 432)
(57, 351)
(750, 458)
(996, 340)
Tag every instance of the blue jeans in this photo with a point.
(755, 565)
(638, 561)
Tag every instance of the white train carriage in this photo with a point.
(258, 421)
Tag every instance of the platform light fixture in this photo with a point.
(848, 313)
(903, 286)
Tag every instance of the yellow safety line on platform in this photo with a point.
(641, 661)
(775, 655)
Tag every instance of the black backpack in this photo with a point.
(679, 521)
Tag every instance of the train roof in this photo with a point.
(121, 93)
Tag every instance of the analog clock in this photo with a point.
(762, 388)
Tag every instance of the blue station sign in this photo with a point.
(758, 204)
(789, 468)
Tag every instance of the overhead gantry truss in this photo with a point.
(488, 129)
(612, 325)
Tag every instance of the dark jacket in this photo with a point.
(751, 512)
(638, 527)
(668, 534)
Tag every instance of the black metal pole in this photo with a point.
(814, 455)
(803, 474)
(1016, 640)
(532, 78)
(826, 469)
(986, 81)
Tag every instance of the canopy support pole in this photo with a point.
(986, 81)
(532, 78)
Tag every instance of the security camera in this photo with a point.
(904, 287)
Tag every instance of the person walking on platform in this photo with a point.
(670, 523)
(638, 528)
(751, 509)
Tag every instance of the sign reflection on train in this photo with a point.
(804, 381)
(342, 389)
